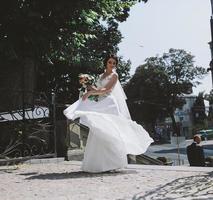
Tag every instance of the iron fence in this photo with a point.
(27, 129)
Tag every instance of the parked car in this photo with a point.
(206, 134)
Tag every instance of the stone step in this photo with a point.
(75, 154)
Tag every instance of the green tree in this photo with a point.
(39, 37)
(198, 110)
(55, 28)
(160, 83)
(144, 94)
(198, 113)
(209, 97)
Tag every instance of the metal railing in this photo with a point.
(27, 129)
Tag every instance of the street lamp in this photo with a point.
(211, 43)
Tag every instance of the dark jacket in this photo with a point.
(195, 155)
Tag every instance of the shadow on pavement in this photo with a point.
(78, 174)
(192, 187)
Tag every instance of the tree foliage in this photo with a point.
(198, 113)
(56, 27)
(61, 38)
(158, 85)
(209, 97)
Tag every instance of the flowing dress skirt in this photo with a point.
(111, 136)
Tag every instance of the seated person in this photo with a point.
(195, 152)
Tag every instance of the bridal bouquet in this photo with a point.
(87, 81)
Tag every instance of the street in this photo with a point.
(171, 151)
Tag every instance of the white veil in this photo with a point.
(121, 97)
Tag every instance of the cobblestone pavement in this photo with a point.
(65, 181)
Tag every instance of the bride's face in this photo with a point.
(111, 64)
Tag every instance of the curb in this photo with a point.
(45, 160)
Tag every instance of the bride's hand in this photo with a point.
(85, 96)
(90, 88)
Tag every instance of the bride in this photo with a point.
(112, 133)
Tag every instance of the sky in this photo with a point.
(158, 25)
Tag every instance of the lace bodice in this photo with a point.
(101, 82)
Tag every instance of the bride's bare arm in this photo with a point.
(108, 87)
(91, 87)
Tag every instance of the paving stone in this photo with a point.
(65, 181)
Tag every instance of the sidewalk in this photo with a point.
(64, 180)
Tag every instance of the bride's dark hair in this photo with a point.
(110, 56)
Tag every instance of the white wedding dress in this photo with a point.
(112, 133)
